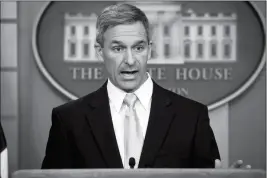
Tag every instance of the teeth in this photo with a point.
(128, 72)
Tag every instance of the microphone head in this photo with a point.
(131, 162)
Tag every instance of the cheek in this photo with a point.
(142, 60)
(112, 64)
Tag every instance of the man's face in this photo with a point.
(125, 53)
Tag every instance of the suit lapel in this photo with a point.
(160, 118)
(101, 123)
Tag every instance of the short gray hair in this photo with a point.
(119, 14)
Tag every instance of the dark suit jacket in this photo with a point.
(2, 139)
(178, 134)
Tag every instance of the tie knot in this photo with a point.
(130, 99)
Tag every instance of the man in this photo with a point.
(157, 129)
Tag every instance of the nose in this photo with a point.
(129, 58)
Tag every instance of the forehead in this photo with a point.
(126, 33)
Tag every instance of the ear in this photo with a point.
(149, 49)
(99, 51)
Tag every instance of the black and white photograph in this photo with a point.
(136, 89)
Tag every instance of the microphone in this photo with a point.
(131, 162)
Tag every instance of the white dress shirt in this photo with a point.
(142, 107)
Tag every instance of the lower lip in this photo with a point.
(129, 76)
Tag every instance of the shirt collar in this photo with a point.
(143, 93)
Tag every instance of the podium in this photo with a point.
(140, 173)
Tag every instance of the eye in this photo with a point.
(117, 49)
(139, 48)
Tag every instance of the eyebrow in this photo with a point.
(140, 42)
(121, 43)
(116, 42)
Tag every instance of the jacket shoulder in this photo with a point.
(184, 101)
(74, 105)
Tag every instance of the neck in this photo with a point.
(132, 90)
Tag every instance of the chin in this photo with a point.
(129, 88)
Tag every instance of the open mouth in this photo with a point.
(129, 72)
